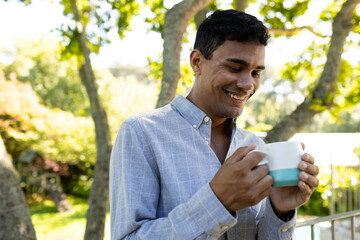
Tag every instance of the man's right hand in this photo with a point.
(240, 183)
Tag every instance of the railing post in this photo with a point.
(353, 228)
(333, 235)
(312, 232)
(332, 197)
(350, 207)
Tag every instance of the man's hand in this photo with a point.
(285, 199)
(240, 183)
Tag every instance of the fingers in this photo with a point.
(240, 153)
(259, 173)
(302, 145)
(307, 165)
(261, 190)
(307, 158)
(251, 160)
(308, 181)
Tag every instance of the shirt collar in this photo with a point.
(194, 115)
(188, 110)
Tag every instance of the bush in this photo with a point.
(54, 134)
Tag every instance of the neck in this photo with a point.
(220, 138)
(222, 126)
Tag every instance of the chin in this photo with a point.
(234, 114)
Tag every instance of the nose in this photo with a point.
(245, 82)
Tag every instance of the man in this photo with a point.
(183, 171)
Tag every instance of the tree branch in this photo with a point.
(293, 31)
(176, 20)
(321, 98)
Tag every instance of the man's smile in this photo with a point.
(237, 98)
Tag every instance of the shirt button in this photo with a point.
(206, 119)
(207, 142)
(194, 126)
(284, 230)
(224, 227)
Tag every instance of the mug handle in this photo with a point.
(264, 160)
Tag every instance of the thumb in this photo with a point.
(240, 153)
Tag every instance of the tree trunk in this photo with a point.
(200, 17)
(321, 97)
(99, 193)
(15, 220)
(241, 5)
(175, 23)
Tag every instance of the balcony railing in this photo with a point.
(332, 219)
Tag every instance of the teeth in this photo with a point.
(236, 97)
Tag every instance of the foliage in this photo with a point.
(357, 151)
(126, 95)
(98, 18)
(157, 19)
(24, 124)
(332, 9)
(56, 82)
(50, 224)
(345, 179)
(282, 14)
(59, 135)
(279, 96)
(308, 69)
(186, 78)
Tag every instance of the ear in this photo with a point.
(195, 61)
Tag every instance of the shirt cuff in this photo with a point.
(209, 213)
(285, 230)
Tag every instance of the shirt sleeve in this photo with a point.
(134, 197)
(271, 227)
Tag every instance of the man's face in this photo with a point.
(225, 82)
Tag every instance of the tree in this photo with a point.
(96, 213)
(14, 213)
(79, 41)
(175, 22)
(82, 46)
(321, 98)
(173, 28)
(281, 21)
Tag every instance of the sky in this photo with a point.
(19, 21)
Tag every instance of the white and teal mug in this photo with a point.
(282, 159)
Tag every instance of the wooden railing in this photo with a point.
(332, 219)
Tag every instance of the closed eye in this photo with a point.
(235, 69)
(256, 74)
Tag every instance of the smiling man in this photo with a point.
(183, 171)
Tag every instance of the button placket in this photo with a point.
(205, 129)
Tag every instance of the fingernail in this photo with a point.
(304, 165)
(305, 175)
(307, 157)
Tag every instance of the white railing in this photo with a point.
(332, 219)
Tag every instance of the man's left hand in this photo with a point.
(285, 199)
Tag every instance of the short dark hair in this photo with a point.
(225, 25)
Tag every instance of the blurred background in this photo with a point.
(72, 71)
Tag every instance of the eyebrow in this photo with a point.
(243, 62)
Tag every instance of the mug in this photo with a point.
(282, 159)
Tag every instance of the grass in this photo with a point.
(52, 225)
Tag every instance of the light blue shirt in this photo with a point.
(160, 169)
